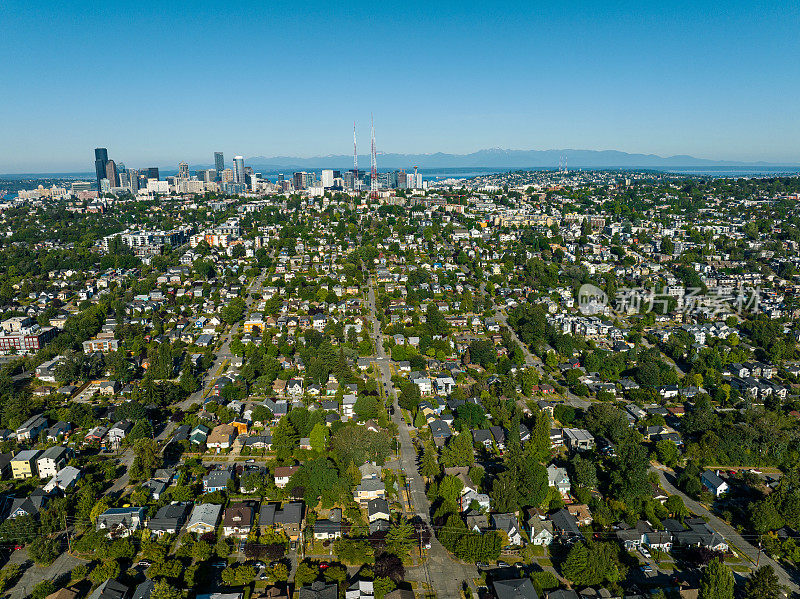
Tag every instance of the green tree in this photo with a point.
(429, 465)
(382, 586)
(306, 574)
(319, 437)
(763, 584)
(400, 539)
(458, 451)
(163, 590)
(234, 310)
(591, 563)
(43, 550)
(716, 581)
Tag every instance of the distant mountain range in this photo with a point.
(496, 158)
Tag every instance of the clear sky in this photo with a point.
(159, 82)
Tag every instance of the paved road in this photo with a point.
(534, 361)
(445, 575)
(788, 579)
(36, 574)
(224, 352)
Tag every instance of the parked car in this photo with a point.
(645, 552)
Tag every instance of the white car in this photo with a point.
(645, 552)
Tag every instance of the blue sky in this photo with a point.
(160, 82)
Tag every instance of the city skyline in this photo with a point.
(683, 79)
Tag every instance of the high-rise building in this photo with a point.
(227, 176)
(183, 171)
(327, 178)
(152, 173)
(100, 160)
(111, 174)
(238, 169)
(219, 162)
(133, 180)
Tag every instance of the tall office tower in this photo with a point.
(133, 180)
(111, 174)
(280, 177)
(123, 179)
(219, 162)
(152, 173)
(238, 169)
(327, 178)
(227, 176)
(299, 179)
(183, 171)
(100, 160)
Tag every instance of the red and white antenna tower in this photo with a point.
(373, 179)
(355, 159)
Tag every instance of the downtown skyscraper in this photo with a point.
(238, 169)
(100, 164)
(219, 163)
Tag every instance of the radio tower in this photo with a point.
(355, 159)
(373, 178)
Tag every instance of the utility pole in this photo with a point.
(66, 532)
(758, 557)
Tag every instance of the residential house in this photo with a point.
(52, 460)
(319, 590)
(117, 433)
(565, 526)
(378, 509)
(169, 518)
(204, 518)
(23, 465)
(238, 520)
(221, 437)
(578, 439)
(713, 483)
(31, 505)
(290, 519)
(541, 531)
(31, 428)
(65, 479)
(360, 589)
(515, 588)
(370, 488)
(110, 589)
(325, 529)
(121, 521)
(283, 474)
(217, 480)
(508, 524)
(558, 478)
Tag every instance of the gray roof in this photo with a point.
(266, 517)
(291, 513)
(169, 517)
(110, 589)
(516, 588)
(143, 590)
(206, 513)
